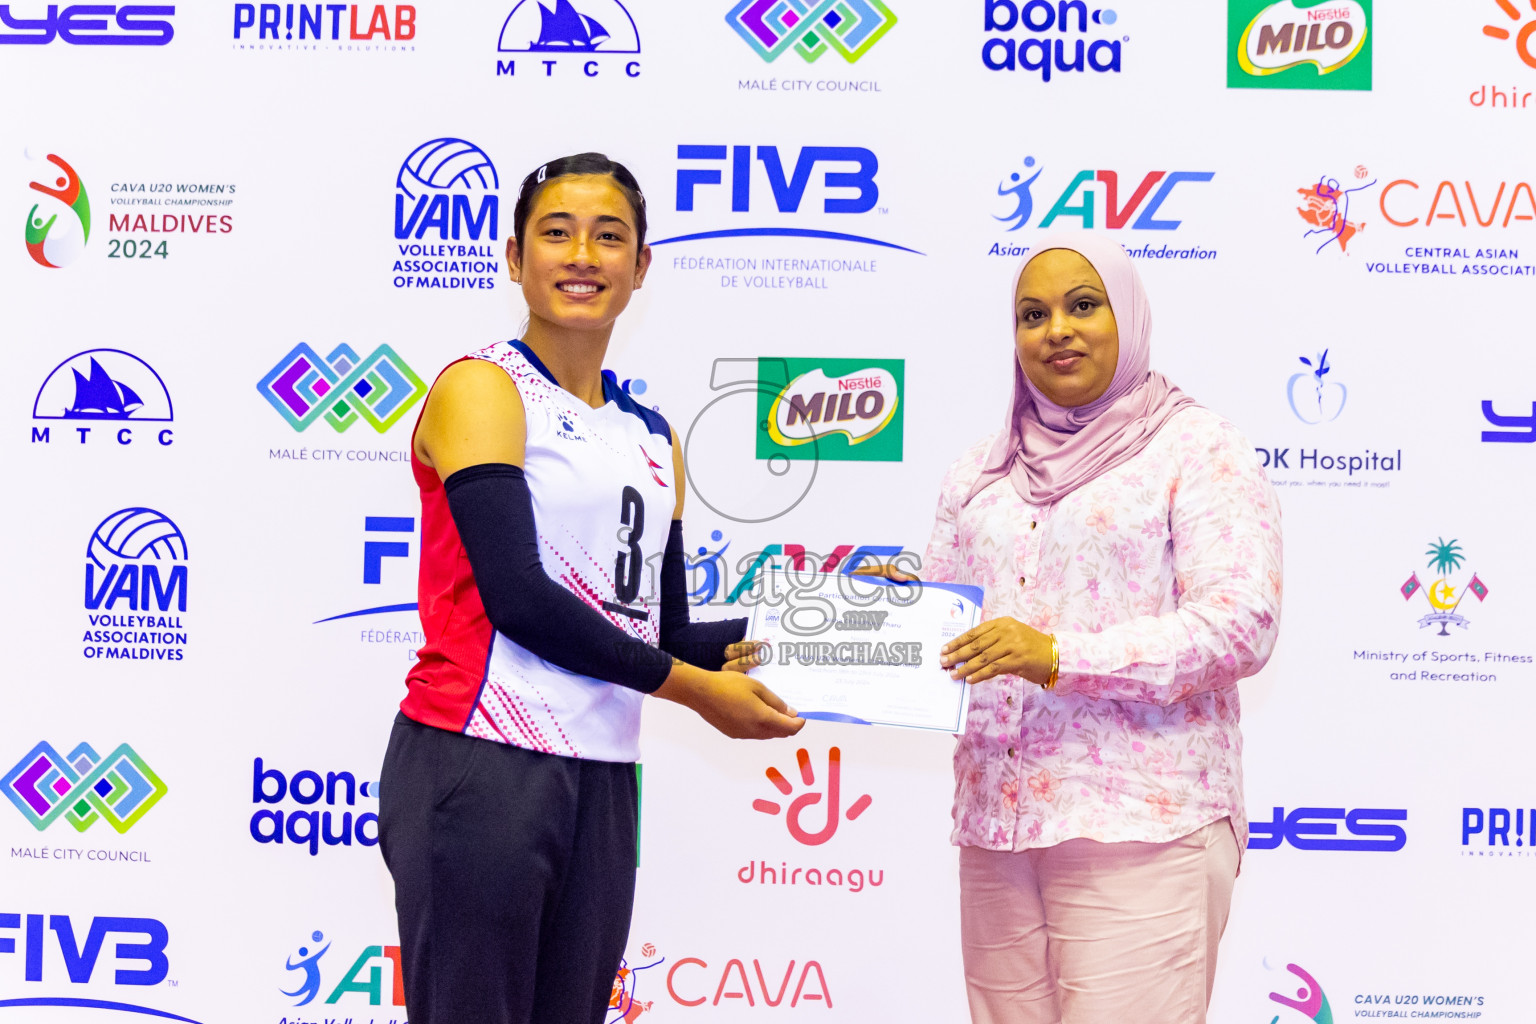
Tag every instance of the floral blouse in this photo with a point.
(1161, 582)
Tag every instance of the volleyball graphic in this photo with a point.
(133, 534)
(445, 164)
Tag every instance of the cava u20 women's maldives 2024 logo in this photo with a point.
(58, 228)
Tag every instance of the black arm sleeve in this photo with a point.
(493, 511)
(698, 643)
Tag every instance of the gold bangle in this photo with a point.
(1050, 683)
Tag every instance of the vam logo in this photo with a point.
(1286, 45)
(103, 387)
(1445, 558)
(83, 788)
(89, 25)
(835, 409)
(59, 225)
(446, 191)
(136, 567)
(554, 29)
(811, 28)
(362, 978)
(341, 388)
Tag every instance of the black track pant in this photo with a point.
(514, 877)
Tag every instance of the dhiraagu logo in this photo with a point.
(831, 409)
(1291, 45)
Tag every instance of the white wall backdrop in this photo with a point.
(209, 555)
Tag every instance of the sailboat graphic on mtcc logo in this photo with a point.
(561, 26)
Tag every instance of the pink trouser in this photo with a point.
(1092, 933)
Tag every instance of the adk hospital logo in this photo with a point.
(136, 573)
(447, 214)
(100, 396)
(811, 28)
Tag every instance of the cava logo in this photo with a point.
(1290, 46)
(1444, 596)
(341, 388)
(834, 409)
(1325, 206)
(811, 28)
(83, 788)
(59, 225)
(136, 588)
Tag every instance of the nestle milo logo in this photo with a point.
(841, 409)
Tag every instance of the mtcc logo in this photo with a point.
(106, 387)
(811, 27)
(553, 29)
(342, 388)
(58, 226)
(1313, 398)
(1314, 44)
(831, 799)
(362, 978)
(1445, 557)
(83, 788)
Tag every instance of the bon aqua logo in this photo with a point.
(1445, 558)
(58, 229)
(811, 29)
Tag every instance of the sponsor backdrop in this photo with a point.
(247, 237)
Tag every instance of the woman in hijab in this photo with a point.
(1129, 545)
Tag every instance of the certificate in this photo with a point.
(864, 649)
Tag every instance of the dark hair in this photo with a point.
(581, 163)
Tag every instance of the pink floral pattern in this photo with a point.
(1156, 622)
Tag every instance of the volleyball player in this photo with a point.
(508, 798)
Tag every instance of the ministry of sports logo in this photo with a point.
(811, 28)
(59, 225)
(83, 788)
(1445, 558)
(341, 388)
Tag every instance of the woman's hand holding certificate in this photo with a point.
(864, 649)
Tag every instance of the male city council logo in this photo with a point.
(1523, 45)
(59, 224)
(83, 788)
(1325, 206)
(833, 409)
(1444, 595)
(103, 384)
(830, 801)
(341, 388)
(569, 26)
(811, 28)
(1324, 44)
(1309, 999)
(1313, 397)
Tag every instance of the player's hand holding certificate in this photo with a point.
(865, 649)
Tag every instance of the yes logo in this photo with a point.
(51, 241)
(832, 797)
(1287, 45)
(1313, 398)
(846, 409)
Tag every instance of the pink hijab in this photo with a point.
(1048, 450)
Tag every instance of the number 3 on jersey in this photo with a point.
(630, 563)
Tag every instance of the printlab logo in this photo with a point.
(554, 29)
(89, 25)
(446, 190)
(1445, 558)
(1048, 38)
(1325, 207)
(102, 387)
(342, 388)
(363, 978)
(1523, 45)
(278, 26)
(135, 578)
(831, 800)
(811, 28)
(1313, 398)
(625, 1005)
(1093, 197)
(1325, 44)
(1309, 1000)
(834, 410)
(1523, 432)
(59, 225)
(83, 788)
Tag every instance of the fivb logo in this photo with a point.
(788, 189)
(309, 828)
(811, 28)
(139, 963)
(362, 978)
(341, 388)
(58, 227)
(83, 788)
